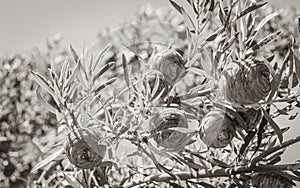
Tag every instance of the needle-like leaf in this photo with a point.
(48, 159)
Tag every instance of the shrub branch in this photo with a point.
(226, 172)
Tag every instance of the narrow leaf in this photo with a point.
(297, 173)
(176, 6)
(64, 70)
(45, 103)
(261, 130)
(189, 1)
(270, 59)
(42, 82)
(73, 74)
(222, 16)
(274, 158)
(212, 5)
(125, 68)
(293, 116)
(266, 40)
(196, 71)
(183, 130)
(298, 25)
(230, 42)
(204, 22)
(261, 24)
(48, 159)
(103, 70)
(277, 78)
(75, 184)
(274, 125)
(212, 37)
(74, 54)
(105, 84)
(195, 7)
(251, 9)
(297, 66)
(219, 163)
(247, 140)
(100, 57)
(188, 21)
(266, 19)
(206, 185)
(190, 163)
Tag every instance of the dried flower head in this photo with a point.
(163, 127)
(217, 129)
(262, 180)
(171, 64)
(245, 82)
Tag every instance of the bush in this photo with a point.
(183, 101)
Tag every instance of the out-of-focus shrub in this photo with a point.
(26, 127)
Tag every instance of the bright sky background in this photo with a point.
(25, 24)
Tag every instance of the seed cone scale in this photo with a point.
(245, 82)
(217, 129)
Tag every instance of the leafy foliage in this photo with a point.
(152, 97)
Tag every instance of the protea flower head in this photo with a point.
(161, 125)
(217, 129)
(262, 180)
(171, 64)
(80, 152)
(245, 82)
(251, 118)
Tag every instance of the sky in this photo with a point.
(26, 24)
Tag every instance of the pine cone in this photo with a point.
(263, 180)
(245, 82)
(162, 134)
(79, 151)
(171, 64)
(217, 129)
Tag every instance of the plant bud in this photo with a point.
(245, 82)
(262, 180)
(171, 64)
(79, 151)
(161, 124)
(217, 129)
